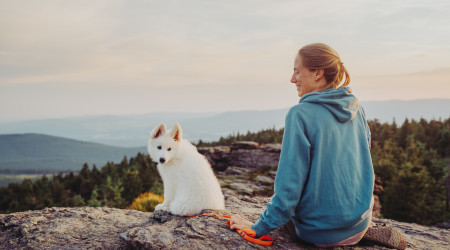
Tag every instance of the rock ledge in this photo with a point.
(85, 227)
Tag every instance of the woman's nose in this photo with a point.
(293, 80)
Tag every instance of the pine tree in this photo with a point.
(113, 193)
(94, 202)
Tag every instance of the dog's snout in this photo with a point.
(162, 160)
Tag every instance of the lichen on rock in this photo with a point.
(68, 228)
(109, 228)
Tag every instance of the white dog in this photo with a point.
(189, 182)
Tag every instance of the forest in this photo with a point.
(412, 160)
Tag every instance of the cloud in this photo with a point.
(417, 85)
(153, 46)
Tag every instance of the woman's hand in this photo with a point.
(237, 222)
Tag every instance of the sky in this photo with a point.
(73, 58)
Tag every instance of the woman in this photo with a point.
(324, 183)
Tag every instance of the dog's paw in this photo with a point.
(183, 209)
(161, 207)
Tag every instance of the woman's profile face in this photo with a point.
(303, 78)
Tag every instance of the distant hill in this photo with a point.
(134, 130)
(387, 111)
(44, 153)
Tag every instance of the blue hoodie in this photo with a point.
(325, 178)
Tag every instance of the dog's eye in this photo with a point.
(169, 149)
(159, 147)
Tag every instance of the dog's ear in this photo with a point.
(158, 131)
(176, 132)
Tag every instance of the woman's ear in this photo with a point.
(318, 74)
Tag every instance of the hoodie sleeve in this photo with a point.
(293, 169)
(366, 126)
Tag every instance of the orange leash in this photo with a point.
(246, 234)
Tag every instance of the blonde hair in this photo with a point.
(321, 56)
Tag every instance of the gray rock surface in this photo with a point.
(109, 228)
(242, 154)
(68, 228)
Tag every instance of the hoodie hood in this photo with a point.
(340, 102)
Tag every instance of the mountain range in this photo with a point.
(37, 153)
(133, 130)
